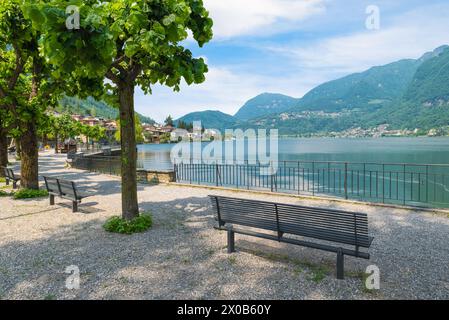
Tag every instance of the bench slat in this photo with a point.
(260, 203)
(347, 216)
(291, 216)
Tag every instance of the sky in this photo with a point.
(291, 46)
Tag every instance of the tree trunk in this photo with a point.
(30, 156)
(130, 207)
(44, 140)
(18, 149)
(3, 151)
(57, 143)
(29, 140)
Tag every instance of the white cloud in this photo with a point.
(259, 17)
(224, 90)
(299, 67)
(408, 36)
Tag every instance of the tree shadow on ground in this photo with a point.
(181, 257)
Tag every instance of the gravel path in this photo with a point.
(183, 257)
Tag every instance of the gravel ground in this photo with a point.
(183, 257)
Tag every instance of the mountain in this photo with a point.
(210, 119)
(404, 94)
(92, 107)
(367, 90)
(265, 104)
(425, 104)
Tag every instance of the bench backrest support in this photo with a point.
(52, 185)
(67, 188)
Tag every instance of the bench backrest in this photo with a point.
(52, 185)
(67, 188)
(9, 173)
(61, 187)
(319, 223)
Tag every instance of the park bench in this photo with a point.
(10, 176)
(64, 189)
(338, 231)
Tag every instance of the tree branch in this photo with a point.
(113, 77)
(18, 69)
(134, 72)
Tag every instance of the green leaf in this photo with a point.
(35, 14)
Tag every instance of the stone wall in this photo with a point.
(155, 177)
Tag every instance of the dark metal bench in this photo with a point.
(338, 229)
(64, 189)
(10, 176)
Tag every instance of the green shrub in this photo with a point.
(5, 194)
(2, 180)
(120, 225)
(30, 193)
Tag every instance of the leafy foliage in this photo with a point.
(131, 43)
(5, 193)
(126, 37)
(136, 225)
(30, 194)
(169, 121)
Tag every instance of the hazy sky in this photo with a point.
(290, 46)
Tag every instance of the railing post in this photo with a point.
(216, 174)
(427, 184)
(383, 183)
(313, 178)
(346, 180)
(404, 185)
(248, 174)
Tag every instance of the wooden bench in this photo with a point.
(337, 229)
(64, 189)
(10, 176)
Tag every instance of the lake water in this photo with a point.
(411, 171)
(384, 150)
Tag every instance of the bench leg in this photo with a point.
(7, 181)
(74, 206)
(52, 200)
(231, 241)
(14, 184)
(340, 265)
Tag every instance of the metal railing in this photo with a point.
(96, 163)
(396, 183)
(96, 148)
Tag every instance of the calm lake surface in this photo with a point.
(383, 150)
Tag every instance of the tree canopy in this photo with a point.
(129, 43)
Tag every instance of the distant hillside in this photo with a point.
(404, 94)
(92, 107)
(265, 104)
(367, 90)
(425, 104)
(210, 119)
